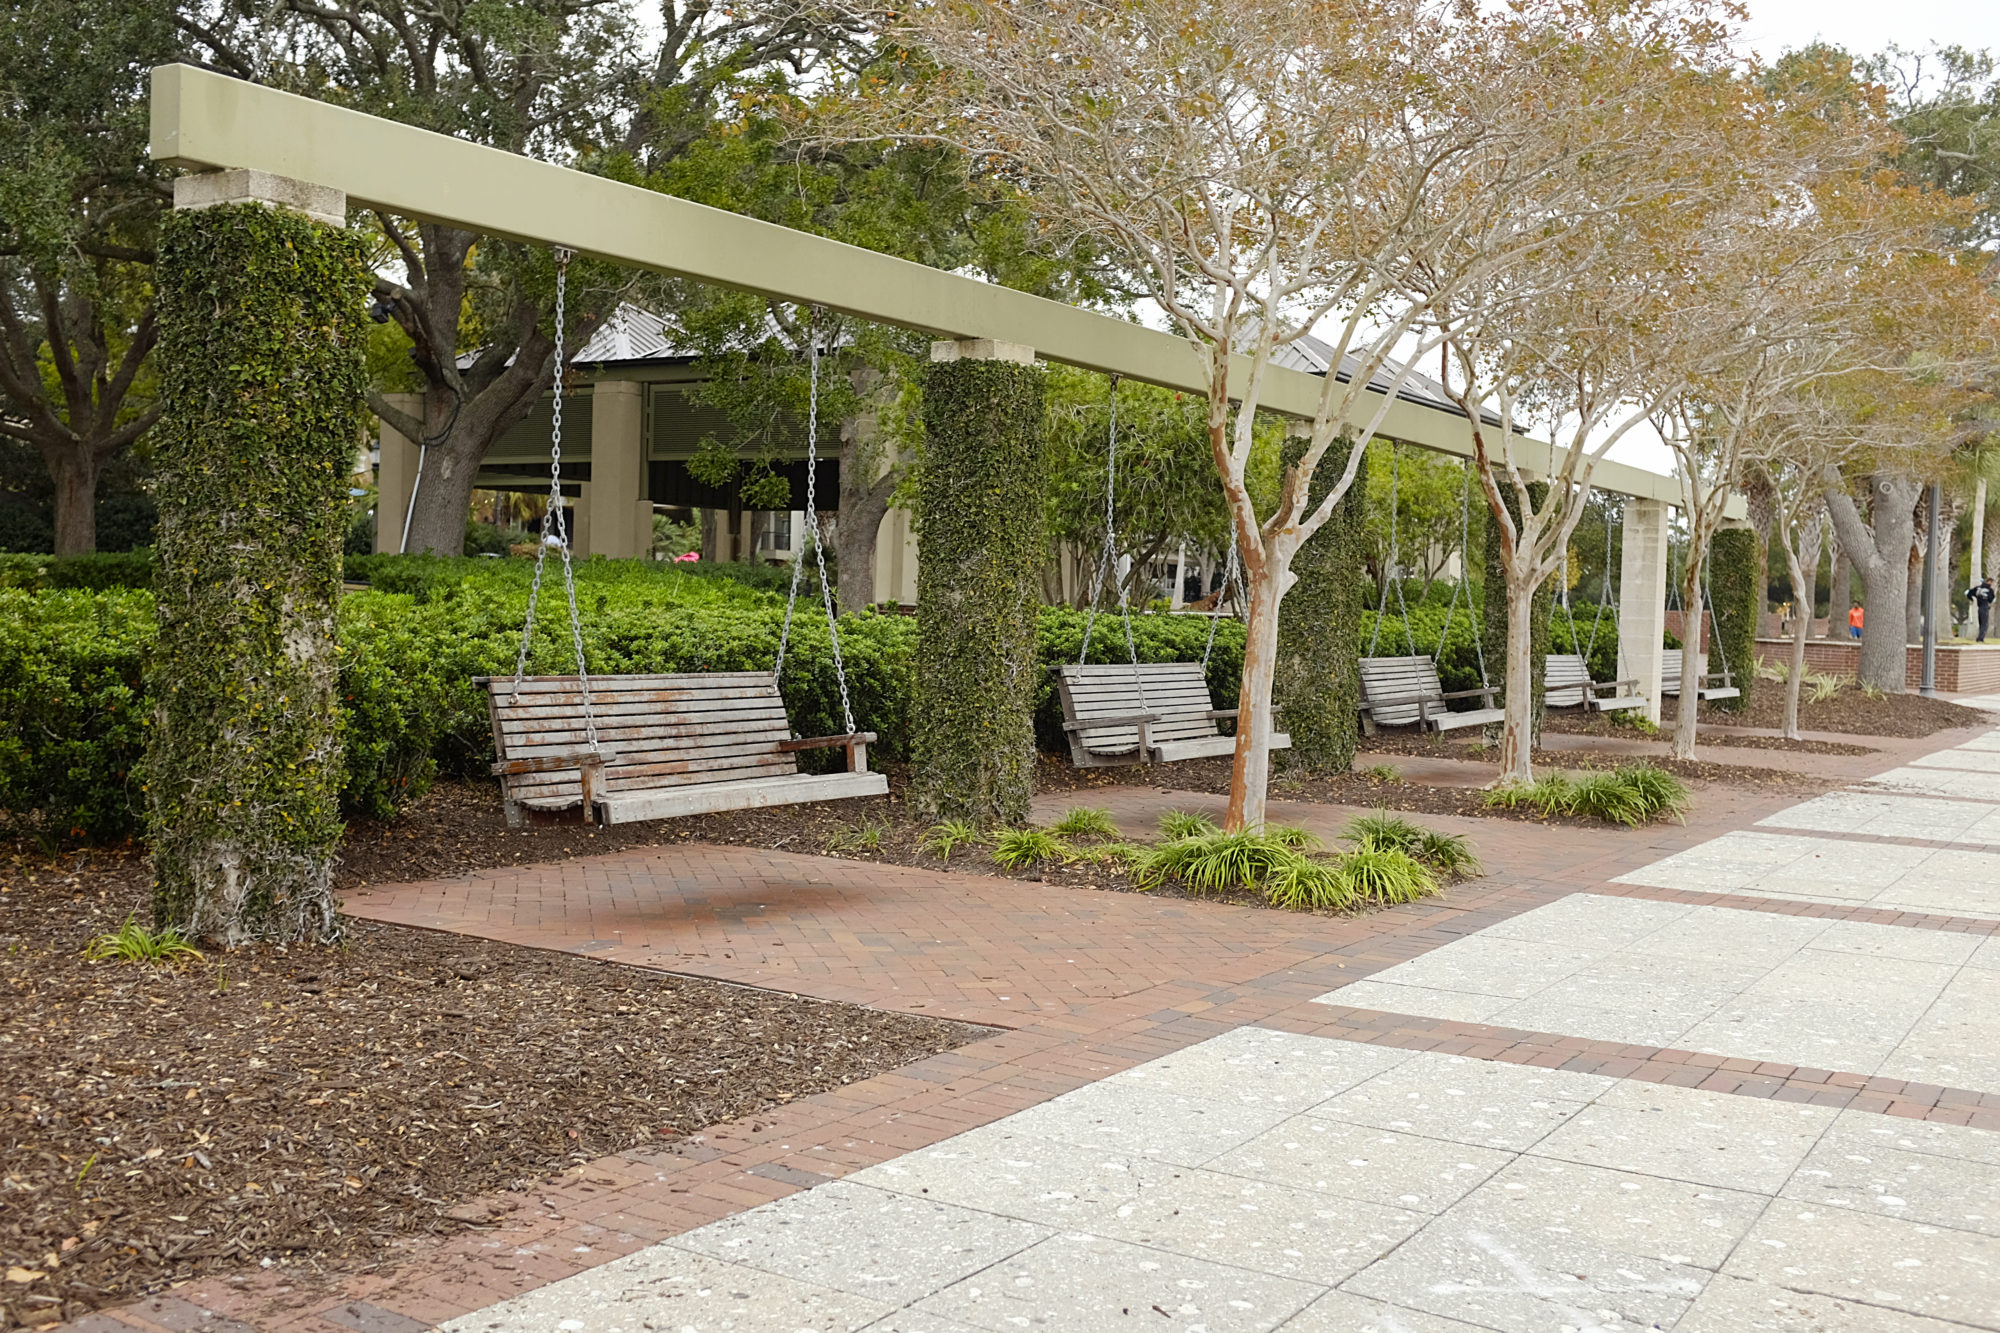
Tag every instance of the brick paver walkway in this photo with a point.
(1080, 984)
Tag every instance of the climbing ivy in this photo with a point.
(1733, 586)
(1496, 606)
(1319, 625)
(260, 354)
(978, 590)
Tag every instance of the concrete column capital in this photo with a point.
(982, 349)
(208, 188)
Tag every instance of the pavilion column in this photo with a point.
(395, 475)
(979, 583)
(617, 473)
(1642, 598)
(262, 378)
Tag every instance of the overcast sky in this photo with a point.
(1866, 26)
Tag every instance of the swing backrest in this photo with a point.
(1175, 693)
(1399, 682)
(661, 731)
(1565, 679)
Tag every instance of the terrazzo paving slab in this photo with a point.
(1962, 784)
(1395, 1192)
(1847, 872)
(1882, 814)
(1984, 758)
(1854, 996)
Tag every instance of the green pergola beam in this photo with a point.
(206, 121)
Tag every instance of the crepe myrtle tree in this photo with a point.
(1266, 168)
(1581, 336)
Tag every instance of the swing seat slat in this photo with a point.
(669, 745)
(1670, 678)
(1566, 683)
(1155, 712)
(1398, 691)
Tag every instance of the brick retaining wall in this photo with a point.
(1961, 668)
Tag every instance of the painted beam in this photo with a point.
(207, 121)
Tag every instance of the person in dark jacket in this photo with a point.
(1981, 594)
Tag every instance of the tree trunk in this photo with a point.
(1694, 660)
(1517, 737)
(1913, 597)
(444, 498)
(75, 474)
(862, 509)
(1250, 775)
(1802, 564)
(1881, 552)
(1839, 590)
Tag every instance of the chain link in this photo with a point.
(560, 536)
(812, 533)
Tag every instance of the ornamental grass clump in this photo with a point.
(1631, 795)
(1025, 848)
(1446, 853)
(1082, 821)
(1286, 866)
(947, 836)
(133, 943)
(1178, 824)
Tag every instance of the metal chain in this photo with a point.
(1110, 535)
(561, 534)
(812, 533)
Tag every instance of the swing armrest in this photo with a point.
(826, 742)
(1220, 713)
(1396, 700)
(1484, 693)
(549, 763)
(1614, 684)
(1119, 720)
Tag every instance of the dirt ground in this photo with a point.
(1850, 711)
(313, 1107)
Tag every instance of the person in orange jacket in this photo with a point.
(1854, 622)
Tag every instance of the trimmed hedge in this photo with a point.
(73, 708)
(102, 569)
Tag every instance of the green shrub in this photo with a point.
(100, 571)
(73, 712)
(1286, 875)
(1384, 875)
(946, 836)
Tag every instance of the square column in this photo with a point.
(395, 475)
(617, 473)
(1642, 598)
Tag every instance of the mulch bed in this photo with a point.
(1573, 723)
(1850, 711)
(316, 1107)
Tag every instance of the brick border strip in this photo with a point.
(1765, 1079)
(1755, 902)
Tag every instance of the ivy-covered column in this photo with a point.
(1495, 627)
(980, 553)
(1319, 626)
(261, 295)
(1736, 588)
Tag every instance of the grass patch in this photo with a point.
(1025, 848)
(865, 836)
(1631, 795)
(133, 943)
(1388, 773)
(947, 836)
(1082, 821)
(1121, 855)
